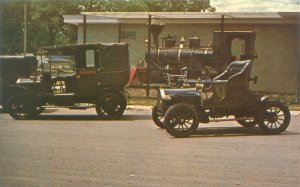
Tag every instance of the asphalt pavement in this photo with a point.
(74, 148)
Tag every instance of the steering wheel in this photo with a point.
(211, 71)
(59, 82)
(58, 71)
(207, 79)
(207, 82)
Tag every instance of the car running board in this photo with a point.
(80, 107)
(76, 107)
(229, 119)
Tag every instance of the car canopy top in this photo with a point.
(113, 56)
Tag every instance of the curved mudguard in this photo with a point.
(264, 98)
(17, 89)
(114, 89)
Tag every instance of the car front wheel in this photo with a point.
(21, 106)
(158, 118)
(181, 120)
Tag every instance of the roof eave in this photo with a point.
(184, 18)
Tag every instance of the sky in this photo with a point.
(256, 5)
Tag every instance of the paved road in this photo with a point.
(73, 148)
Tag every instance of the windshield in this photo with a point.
(64, 63)
(58, 60)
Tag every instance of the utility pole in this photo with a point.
(149, 51)
(84, 29)
(298, 79)
(222, 38)
(25, 30)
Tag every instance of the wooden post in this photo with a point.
(222, 39)
(120, 33)
(149, 51)
(25, 30)
(298, 83)
(84, 29)
(298, 79)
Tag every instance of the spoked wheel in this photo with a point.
(181, 120)
(111, 105)
(246, 122)
(21, 106)
(39, 110)
(274, 117)
(4, 108)
(158, 118)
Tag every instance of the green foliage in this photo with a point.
(179, 5)
(11, 25)
(45, 22)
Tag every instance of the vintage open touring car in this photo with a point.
(181, 110)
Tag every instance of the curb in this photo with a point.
(295, 112)
(138, 107)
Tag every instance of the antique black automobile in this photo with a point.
(12, 68)
(75, 76)
(181, 110)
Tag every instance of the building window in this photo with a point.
(238, 47)
(129, 35)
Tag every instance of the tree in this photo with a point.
(11, 26)
(45, 24)
(179, 5)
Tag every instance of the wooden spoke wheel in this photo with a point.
(21, 106)
(158, 118)
(181, 120)
(111, 105)
(274, 117)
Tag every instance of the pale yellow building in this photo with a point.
(277, 38)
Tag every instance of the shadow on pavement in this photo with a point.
(233, 131)
(89, 117)
(44, 112)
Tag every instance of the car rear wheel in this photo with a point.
(181, 120)
(4, 108)
(39, 110)
(274, 117)
(158, 118)
(246, 122)
(111, 105)
(21, 106)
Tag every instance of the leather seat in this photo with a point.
(240, 69)
(233, 81)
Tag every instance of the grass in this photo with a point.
(294, 107)
(142, 101)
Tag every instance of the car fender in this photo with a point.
(17, 89)
(203, 116)
(264, 98)
(113, 89)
